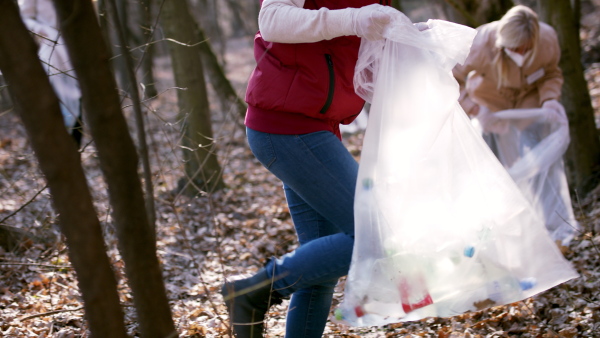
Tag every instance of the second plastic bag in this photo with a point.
(530, 144)
(441, 228)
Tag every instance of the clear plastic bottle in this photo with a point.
(413, 292)
(349, 315)
(407, 271)
(502, 286)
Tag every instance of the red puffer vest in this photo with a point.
(305, 87)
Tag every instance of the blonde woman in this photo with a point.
(513, 64)
(512, 69)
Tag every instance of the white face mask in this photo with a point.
(516, 57)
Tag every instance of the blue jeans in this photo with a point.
(319, 178)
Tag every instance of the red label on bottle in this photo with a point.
(413, 306)
(414, 295)
(359, 311)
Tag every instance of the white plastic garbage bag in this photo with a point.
(441, 228)
(531, 148)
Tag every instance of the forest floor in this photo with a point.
(202, 240)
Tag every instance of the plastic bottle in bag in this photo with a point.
(405, 285)
(446, 268)
(414, 293)
(486, 284)
(350, 315)
(502, 286)
(459, 278)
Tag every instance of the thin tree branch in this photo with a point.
(24, 205)
(38, 264)
(141, 130)
(49, 313)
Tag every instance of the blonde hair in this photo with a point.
(518, 27)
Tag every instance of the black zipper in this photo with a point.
(331, 84)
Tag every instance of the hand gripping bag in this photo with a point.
(441, 227)
(531, 148)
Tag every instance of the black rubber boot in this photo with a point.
(248, 301)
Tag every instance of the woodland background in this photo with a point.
(196, 199)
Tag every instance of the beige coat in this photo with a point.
(526, 87)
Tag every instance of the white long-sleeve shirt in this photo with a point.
(286, 21)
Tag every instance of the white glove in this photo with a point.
(421, 26)
(556, 112)
(370, 21)
(490, 123)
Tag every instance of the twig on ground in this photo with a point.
(24, 205)
(38, 264)
(49, 313)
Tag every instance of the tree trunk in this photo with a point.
(238, 24)
(119, 60)
(108, 32)
(147, 34)
(118, 162)
(475, 13)
(201, 165)
(5, 101)
(576, 4)
(254, 8)
(583, 155)
(209, 17)
(58, 159)
(133, 93)
(221, 85)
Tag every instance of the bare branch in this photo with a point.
(50, 313)
(24, 205)
(60, 267)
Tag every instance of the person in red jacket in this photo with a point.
(298, 94)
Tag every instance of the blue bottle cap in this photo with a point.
(469, 251)
(528, 283)
(367, 183)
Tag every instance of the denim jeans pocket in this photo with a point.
(261, 146)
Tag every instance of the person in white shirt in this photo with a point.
(40, 18)
(298, 95)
